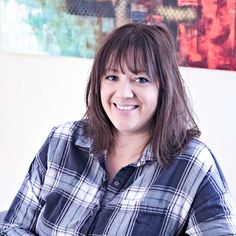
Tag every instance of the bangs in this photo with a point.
(131, 51)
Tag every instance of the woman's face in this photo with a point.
(129, 100)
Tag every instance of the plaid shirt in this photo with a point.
(66, 193)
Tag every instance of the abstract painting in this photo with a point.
(205, 30)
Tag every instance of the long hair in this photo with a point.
(150, 49)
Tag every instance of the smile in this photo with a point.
(126, 108)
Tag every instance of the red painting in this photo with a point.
(205, 29)
(210, 41)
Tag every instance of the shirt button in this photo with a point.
(116, 183)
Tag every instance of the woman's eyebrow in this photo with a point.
(113, 69)
(110, 72)
(142, 73)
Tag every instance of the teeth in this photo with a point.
(125, 108)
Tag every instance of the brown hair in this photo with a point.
(150, 49)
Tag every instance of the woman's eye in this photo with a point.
(142, 80)
(111, 77)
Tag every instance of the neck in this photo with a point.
(131, 144)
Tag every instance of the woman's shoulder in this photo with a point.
(69, 127)
(197, 162)
(199, 154)
(74, 131)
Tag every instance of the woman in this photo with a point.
(133, 165)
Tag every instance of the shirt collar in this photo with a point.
(86, 142)
(146, 156)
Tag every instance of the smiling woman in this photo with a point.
(139, 61)
(133, 165)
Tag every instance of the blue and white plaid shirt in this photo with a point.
(65, 193)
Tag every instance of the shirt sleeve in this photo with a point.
(21, 218)
(212, 212)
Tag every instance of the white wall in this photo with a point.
(39, 92)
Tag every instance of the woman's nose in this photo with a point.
(125, 90)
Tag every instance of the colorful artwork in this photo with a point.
(49, 27)
(205, 29)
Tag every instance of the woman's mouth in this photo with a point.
(126, 107)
